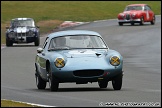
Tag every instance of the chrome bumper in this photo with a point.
(131, 20)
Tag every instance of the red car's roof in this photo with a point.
(137, 4)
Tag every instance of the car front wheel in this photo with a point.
(53, 82)
(41, 84)
(120, 23)
(102, 84)
(37, 41)
(142, 21)
(117, 82)
(132, 23)
(8, 42)
(153, 21)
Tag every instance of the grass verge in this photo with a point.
(9, 103)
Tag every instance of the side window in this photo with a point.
(51, 45)
(11, 23)
(145, 8)
(148, 7)
(45, 43)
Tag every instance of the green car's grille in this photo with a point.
(88, 73)
(21, 34)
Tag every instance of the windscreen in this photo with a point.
(19, 23)
(128, 8)
(79, 41)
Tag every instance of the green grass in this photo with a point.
(68, 10)
(82, 11)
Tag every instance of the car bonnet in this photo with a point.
(84, 53)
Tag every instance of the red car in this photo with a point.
(136, 13)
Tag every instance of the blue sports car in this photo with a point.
(79, 56)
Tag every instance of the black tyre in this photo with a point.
(117, 82)
(37, 41)
(8, 42)
(142, 21)
(132, 23)
(120, 23)
(103, 84)
(53, 82)
(41, 84)
(153, 21)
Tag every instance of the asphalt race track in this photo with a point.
(139, 45)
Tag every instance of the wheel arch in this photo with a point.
(47, 65)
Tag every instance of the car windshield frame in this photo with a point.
(77, 42)
(23, 23)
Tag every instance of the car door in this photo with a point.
(149, 13)
(146, 12)
(41, 61)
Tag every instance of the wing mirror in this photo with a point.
(39, 50)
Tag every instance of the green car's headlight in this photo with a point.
(115, 60)
(31, 33)
(11, 34)
(59, 62)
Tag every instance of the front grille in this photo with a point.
(88, 73)
(127, 16)
(21, 34)
(24, 34)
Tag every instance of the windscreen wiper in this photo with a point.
(58, 48)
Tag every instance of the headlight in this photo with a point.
(11, 34)
(122, 15)
(115, 60)
(59, 62)
(31, 33)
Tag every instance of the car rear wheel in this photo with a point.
(142, 21)
(153, 21)
(102, 84)
(37, 41)
(41, 84)
(117, 82)
(8, 42)
(53, 82)
(120, 23)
